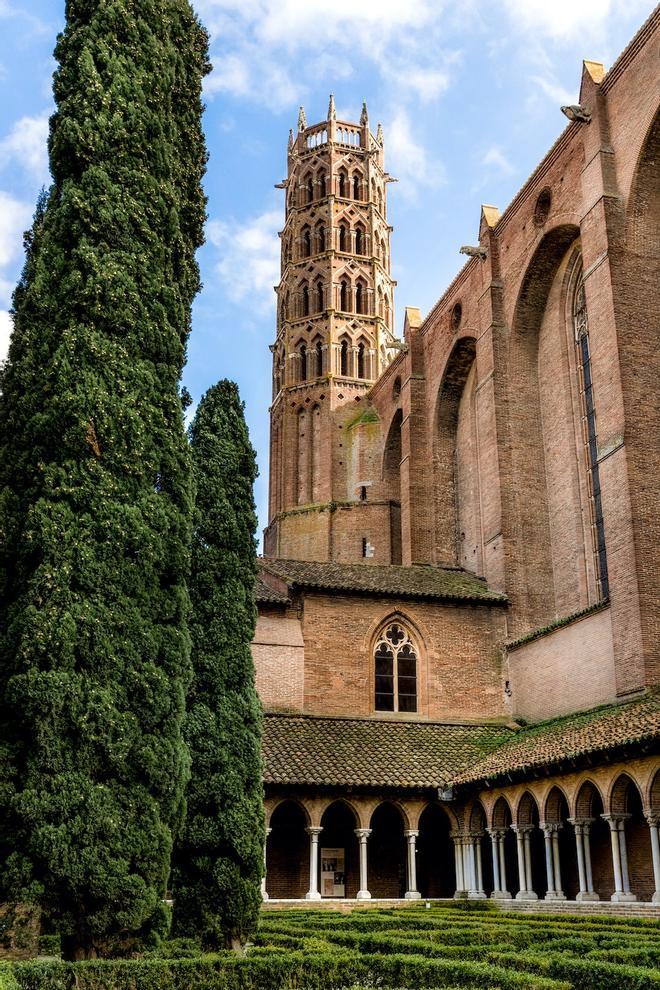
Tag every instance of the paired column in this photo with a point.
(313, 894)
(474, 871)
(582, 827)
(654, 822)
(459, 863)
(264, 892)
(523, 840)
(497, 836)
(412, 894)
(552, 863)
(363, 834)
(617, 825)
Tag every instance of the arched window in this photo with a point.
(343, 358)
(343, 237)
(322, 180)
(344, 290)
(305, 300)
(359, 239)
(343, 183)
(380, 201)
(356, 186)
(302, 353)
(306, 242)
(360, 298)
(318, 291)
(320, 237)
(318, 352)
(309, 189)
(395, 671)
(581, 327)
(387, 309)
(360, 361)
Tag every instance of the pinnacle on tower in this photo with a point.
(290, 139)
(332, 113)
(302, 120)
(379, 135)
(364, 116)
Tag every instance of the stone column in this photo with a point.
(523, 834)
(412, 894)
(458, 860)
(480, 870)
(560, 895)
(549, 866)
(313, 893)
(363, 893)
(619, 857)
(583, 850)
(264, 892)
(494, 843)
(654, 821)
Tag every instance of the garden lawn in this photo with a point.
(389, 949)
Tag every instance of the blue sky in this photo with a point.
(468, 92)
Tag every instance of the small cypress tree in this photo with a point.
(95, 481)
(218, 863)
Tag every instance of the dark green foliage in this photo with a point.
(218, 863)
(95, 488)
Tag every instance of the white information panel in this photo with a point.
(333, 876)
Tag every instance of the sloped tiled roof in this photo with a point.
(416, 581)
(310, 750)
(266, 595)
(562, 739)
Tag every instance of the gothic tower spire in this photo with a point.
(334, 322)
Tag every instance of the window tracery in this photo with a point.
(395, 670)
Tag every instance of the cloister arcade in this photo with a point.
(589, 839)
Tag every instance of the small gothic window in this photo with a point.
(343, 184)
(343, 358)
(343, 237)
(581, 327)
(319, 358)
(305, 301)
(323, 184)
(359, 240)
(320, 237)
(359, 298)
(356, 186)
(343, 296)
(360, 361)
(395, 671)
(319, 297)
(303, 363)
(310, 189)
(307, 242)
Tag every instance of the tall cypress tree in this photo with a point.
(218, 863)
(95, 480)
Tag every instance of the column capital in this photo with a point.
(652, 817)
(549, 827)
(581, 822)
(523, 829)
(362, 833)
(498, 832)
(616, 822)
(314, 830)
(411, 833)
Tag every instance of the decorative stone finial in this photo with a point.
(302, 120)
(364, 116)
(291, 139)
(332, 113)
(379, 135)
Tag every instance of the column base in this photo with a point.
(460, 895)
(500, 895)
(526, 895)
(587, 895)
(312, 895)
(476, 895)
(413, 895)
(620, 897)
(555, 895)
(363, 895)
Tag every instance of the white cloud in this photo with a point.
(495, 158)
(14, 219)
(409, 160)
(26, 145)
(5, 332)
(556, 92)
(249, 265)
(561, 19)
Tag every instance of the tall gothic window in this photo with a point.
(395, 671)
(590, 437)
(318, 352)
(306, 242)
(303, 363)
(360, 361)
(356, 186)
(343, 358)
(344, 290)
(320, 237)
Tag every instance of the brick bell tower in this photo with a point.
(334, 339)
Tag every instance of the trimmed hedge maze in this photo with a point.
(386, 949)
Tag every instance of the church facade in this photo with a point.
(457, 647)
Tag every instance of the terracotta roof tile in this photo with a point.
(416, 581)
(266, 595)
(561, 739)
(311, 750)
